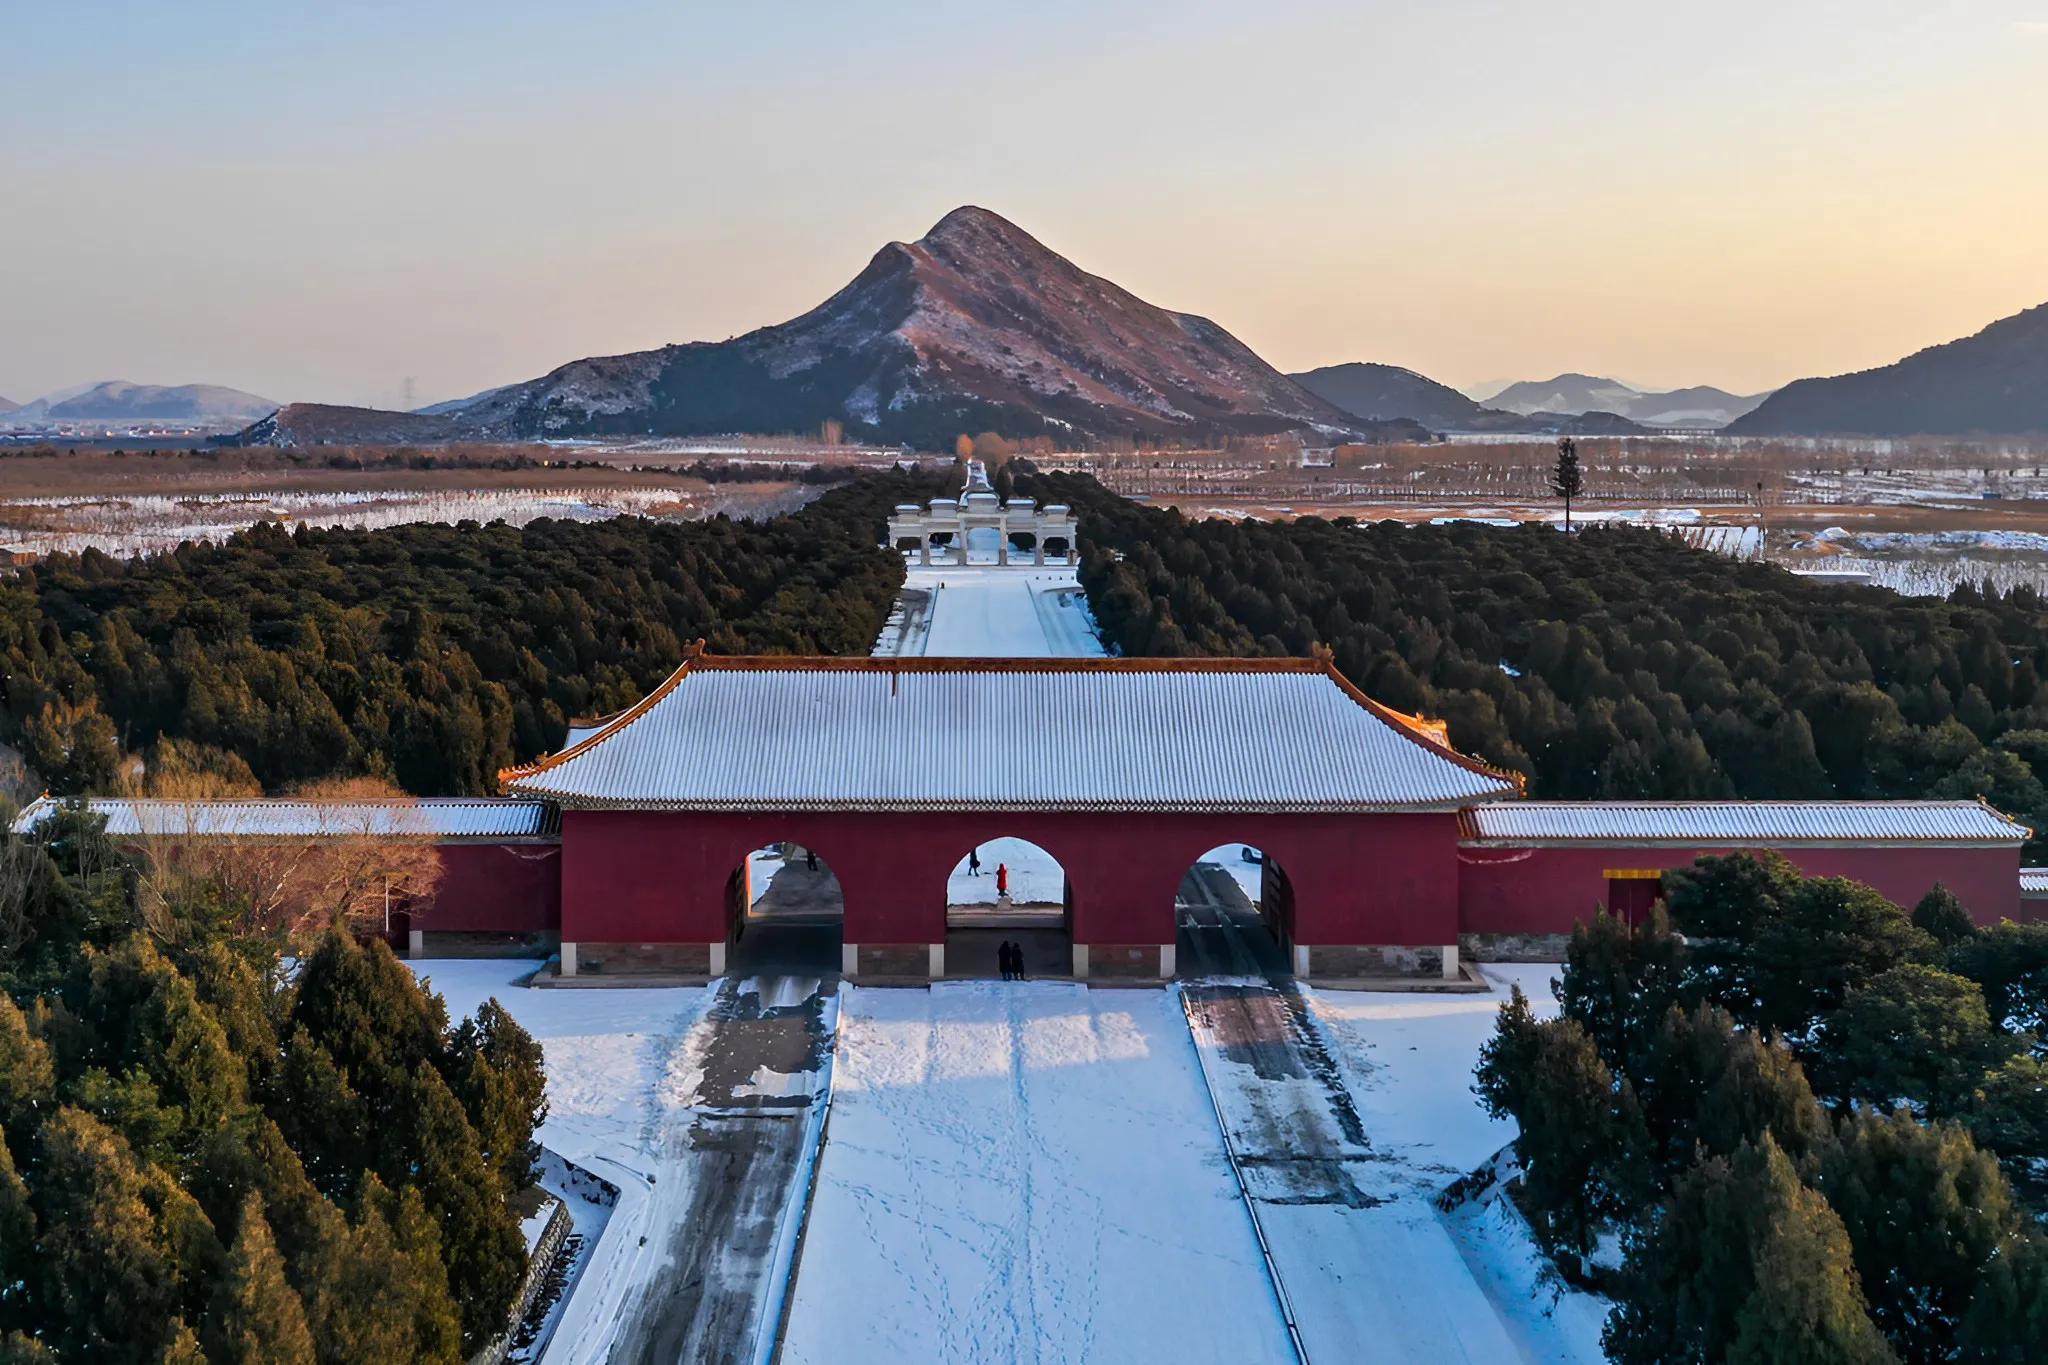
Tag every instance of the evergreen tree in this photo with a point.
(1708, 1085)
(1834, 936)
(28, 1083)
(1942, 917)
(2009, 1110)
(1741, 1263)
(257, 1318)
(1507, 1060)
(1619, 982)
(2008, 1318)
(497, 1073)
(2010, 961)
(480, 1241)
(17, 1245)
(1915, 1034)
(1925, 1212)
(1566, 480)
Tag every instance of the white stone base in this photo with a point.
(938, 960)
(1450, 962)
(718, 959)
(416, 943)
(849, 960)
(568, 959)
(1080, 962)
(1301, 960)
(1166, 960)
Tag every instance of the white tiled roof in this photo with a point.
(1014, 734)
(285, 818)
(1740, 822)
(2034, 881)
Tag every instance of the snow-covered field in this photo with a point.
(146, 524)
(991, 612)
(1025, 1172)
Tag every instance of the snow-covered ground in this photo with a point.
(991, 612)
(1025, 1172)
(1035, 878)
(1249, 876)
(616, 1092)
(1406, 1061)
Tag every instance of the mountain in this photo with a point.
(320, 424)
(974, 327)
(1382, 393)
(1992, 383)
(7, 405)
(1702, 405)
(117, 400)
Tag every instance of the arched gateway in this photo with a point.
(1127, 770)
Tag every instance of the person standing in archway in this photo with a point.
(1002, 880)
(974, 862)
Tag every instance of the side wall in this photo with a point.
(509, 888)
(1548, 890)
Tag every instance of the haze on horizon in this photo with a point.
(316, 203)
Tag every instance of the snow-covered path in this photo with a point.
(1350, 1113)
(990, 612)
(1025, 1172)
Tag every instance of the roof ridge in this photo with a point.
(1325, 661)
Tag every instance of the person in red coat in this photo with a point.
(1002, 879)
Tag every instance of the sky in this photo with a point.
(321, 202)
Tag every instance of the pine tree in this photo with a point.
(1742, 1263)
(1925, 1212)
(257, 1317)
(17, 1244)
(1566, 481)
(1942, 917)
(480, 1241)
(1914, 1034)
(28, 1078)
(497, 1072)
(1619, 982)
(2008, 1318)
(1707, 1084)
(1834, 936)
(1507, 1059)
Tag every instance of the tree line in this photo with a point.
(1611, 663)
(429, 655)
(1814, 1126)
(205, 1157)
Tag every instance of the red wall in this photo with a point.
(496, 888)
(1547, 890)
(653, 876)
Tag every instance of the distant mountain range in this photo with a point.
(8, 405)
(1374, 392)
(117, 400)
(1992, 383)
(974, 327)
(1702, 405)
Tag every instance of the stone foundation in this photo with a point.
(891, 959)
(624, 959)
(1514, 947)
(1121, 962)
(1349, 960)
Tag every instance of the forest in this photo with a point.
(429, 655)
(1613, 663)
(205, 1157)
(1794, 1122)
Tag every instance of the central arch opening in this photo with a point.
(1009, 890)
(785, 914)
(1235, 912)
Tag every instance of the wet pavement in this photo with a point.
(759, 1062)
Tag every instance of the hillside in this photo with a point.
(8, 405)
(1992, 383)
(976, 326)
(315, 424)
(117, 400)
(1701, 405)
(1381, 392)
(1387, 394)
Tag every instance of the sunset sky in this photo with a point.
(317, 201)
